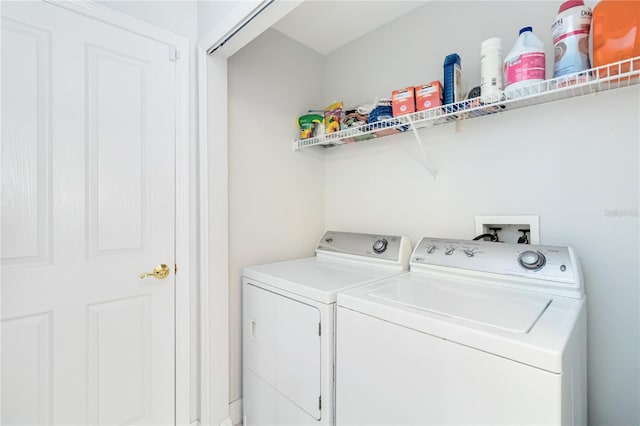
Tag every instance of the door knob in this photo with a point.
(160, 272)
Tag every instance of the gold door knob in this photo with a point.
(160, 272)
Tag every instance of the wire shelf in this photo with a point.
(608, 77)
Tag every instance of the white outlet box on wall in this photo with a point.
(510, 226)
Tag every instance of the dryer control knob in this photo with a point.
(532, 260)
(380, 246)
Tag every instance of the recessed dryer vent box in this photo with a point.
(510, 225)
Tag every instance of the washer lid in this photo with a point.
(525, 326)
(504, 309)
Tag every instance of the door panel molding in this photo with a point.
(105, 365)
(31, 335)
(27, 209)
(129, 99)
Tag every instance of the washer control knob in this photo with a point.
(380, 245)
(469, 252)
(431, 249)
(532, 260)
(449, 251)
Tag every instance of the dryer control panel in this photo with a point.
(352, 245)
(555, 266)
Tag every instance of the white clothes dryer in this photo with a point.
(288, 325)
(476, 333)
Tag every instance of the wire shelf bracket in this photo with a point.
(427, 160)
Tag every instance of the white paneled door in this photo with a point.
(88, 177)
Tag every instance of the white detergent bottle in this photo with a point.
(524, 65)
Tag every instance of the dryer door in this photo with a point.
(282, 346)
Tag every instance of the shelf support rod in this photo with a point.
(427, 160)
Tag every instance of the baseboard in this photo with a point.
(235, 411)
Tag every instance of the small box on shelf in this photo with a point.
(428, 96)
(403, 101)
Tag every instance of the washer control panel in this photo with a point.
(540, 262)
(388, 247)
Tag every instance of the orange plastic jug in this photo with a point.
(616, 34)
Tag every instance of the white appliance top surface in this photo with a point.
(522, 325)
(508, 310)
(317, 278)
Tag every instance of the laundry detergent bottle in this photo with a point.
(616, 34)
(571, 38)
(525, 64)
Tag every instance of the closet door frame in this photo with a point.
(246, 21)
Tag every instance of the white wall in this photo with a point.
(574, 163)
(179, 17)
(276, 205)
(211, 12)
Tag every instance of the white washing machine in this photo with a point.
(288, 325)
(476, 333)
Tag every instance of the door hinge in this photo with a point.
(319, 329)
(320, 402)
(174, 54)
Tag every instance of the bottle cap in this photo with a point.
(525, 29)
(452, 59)
(569, 4)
